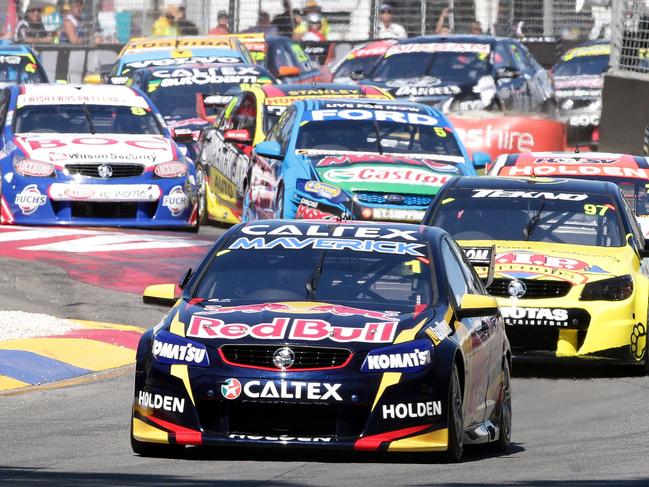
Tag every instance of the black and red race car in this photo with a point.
(371, 337)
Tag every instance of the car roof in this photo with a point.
(300, 228)
(533, 184)
(15, 49)
(319, 103)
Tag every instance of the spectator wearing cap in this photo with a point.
(30, 29)
(387, 28)
(221, 27)
(74, 30)
(312, 6)
(314, 26)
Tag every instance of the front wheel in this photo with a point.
(455, 419)
(279, 203)
(505, 413)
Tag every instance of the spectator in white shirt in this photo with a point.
(387, 28)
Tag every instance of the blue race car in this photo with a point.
(350, 336)
(20, 64)
(91, 155)
(360, 159)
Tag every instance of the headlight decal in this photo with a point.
(614, 289)
(172, 169)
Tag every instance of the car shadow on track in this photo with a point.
(586, 370)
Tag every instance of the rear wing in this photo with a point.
(482, 257)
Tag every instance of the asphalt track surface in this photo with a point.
(578, 427)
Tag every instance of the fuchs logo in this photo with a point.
(176, 200)
(231, 389)
(30, 199)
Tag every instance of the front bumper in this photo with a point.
(608, 331)
(187, 405)
(134, 202)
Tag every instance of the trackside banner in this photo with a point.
(508, 135)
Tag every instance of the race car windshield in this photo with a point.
(85, 119)
(567, 218)
(19, 70)
(635, 191)
(364, 64)
(346, 277)
(455, 67)
(582, 66)
(271, 116)
(394, 137)
(181, 102)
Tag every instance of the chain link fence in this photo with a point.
(630, 36)
(115, 21)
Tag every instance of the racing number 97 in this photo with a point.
(592, 210)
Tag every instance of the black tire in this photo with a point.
(505, 412)
(279, 203)
(202, 194)
(455, 418)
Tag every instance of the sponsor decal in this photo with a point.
(30, 199)
(171, 349)
(378, 174)
(157, 401)
(480, 48)
(428, 90)
(576, 170)
(412, 410)
(206, 73)
(147, 143)
(535, 316)
(478, 255)
(578, 93)
(179, 43)
(29, 167)
(579, 82)
(306, 307)
(258, 389)
(373, 50)
(340, 105)
(575, 160)
(327, 231)
(584, 120)
(501, 193)
(594, 50)
(291, 329)
(439, 331)
(99, 192)
(371, 114)
(346, 160)
(406, 357)
(322, 189)
(181, 60)
(177, 201)
(396, 214)
(293, 243)
(171, 169)
(532, 259)
(282, 438)
(125, 98)
(10, 59)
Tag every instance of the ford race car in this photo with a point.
(227, 146)
(368, 160)
(20, 64)
(578, 81)
(145, 52)
(91, 155)
(465, 73)
(630, 173)
(569, 275)
(341, 336)
(360, 59)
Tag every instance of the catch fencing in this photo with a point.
(114, 21)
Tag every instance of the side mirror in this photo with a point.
(288, 71)
(182, 136)
(185, 279)
(507, 73)
(481, 159)
(164, 294)
(473, 305)
(242, 136)
(270, 149)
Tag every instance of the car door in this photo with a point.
(476, 347)
(266, 173)
(510, 84)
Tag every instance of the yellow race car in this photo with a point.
(569, 272)
(226, 147)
